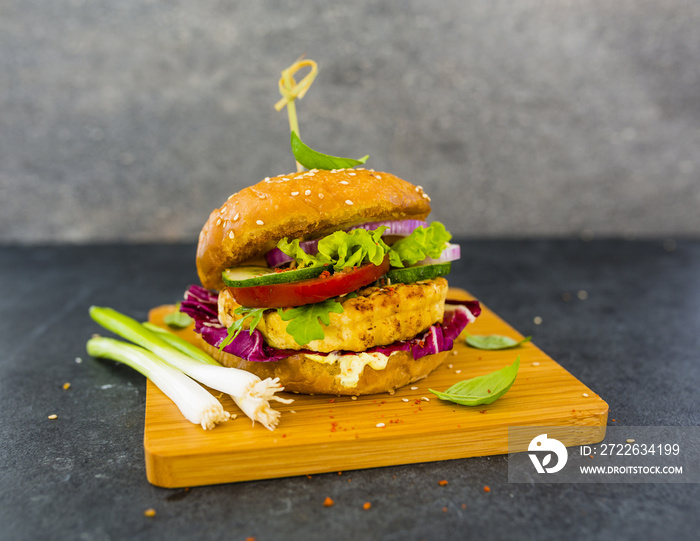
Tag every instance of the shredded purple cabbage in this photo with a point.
(202, 306)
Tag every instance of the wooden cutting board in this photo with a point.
(326, 433)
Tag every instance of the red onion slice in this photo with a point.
(277, 257)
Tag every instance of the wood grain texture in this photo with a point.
(326, 433)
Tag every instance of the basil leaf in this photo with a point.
(252, 314)
(482, 389)
(177, 319)
(305, 321)
(311, 159)
(494, 341)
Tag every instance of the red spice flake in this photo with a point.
(325, 274)
(464, 506)
(488, 391)
(328, 502)
(487, 489)
(482, 411)
(614, 420)
(340, 473)
(444, 509)
(366, 506)
(307, 475)
(284, 435)
(250, 539)
(331, 400)
(442, 483)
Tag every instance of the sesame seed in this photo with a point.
(320, 196)
(307, 192)
(418, 189)
(149, 513)
(380, 178)
(585, 394)
(285, 178)
(78, 360)
(630, 440)
(380, 425)
(404, 399)
(66, 386)
(334, 170)
(53, 416)
(348, 202)
(353, 397)
(352, 174)
(267, 179)
(537, 320)
(535, 363)
(295, 193)
(231, 235)
(235, 217)
(218, 222)
(583, 295)
(344, 182)
(458, 371)
(425, 399)
(262, 196)
(414, 388)
(259, 222)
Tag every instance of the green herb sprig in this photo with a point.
(254, 315)
(305, 321)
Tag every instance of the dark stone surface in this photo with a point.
(133, 120)
(634, 340)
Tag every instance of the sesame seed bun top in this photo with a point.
(303, 205)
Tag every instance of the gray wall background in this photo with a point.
(132, 120)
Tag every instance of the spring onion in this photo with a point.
(194, 401)
(248, 391)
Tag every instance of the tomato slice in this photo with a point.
(309, 291)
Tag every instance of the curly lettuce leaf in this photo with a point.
(421, 243)
(340, 249)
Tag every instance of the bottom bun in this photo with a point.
(300, 373)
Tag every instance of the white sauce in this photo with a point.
(352, 365)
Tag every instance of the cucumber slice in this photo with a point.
(250, 275)
(418, 273)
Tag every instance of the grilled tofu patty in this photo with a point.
(378, 316)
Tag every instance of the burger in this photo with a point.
(330, 280)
